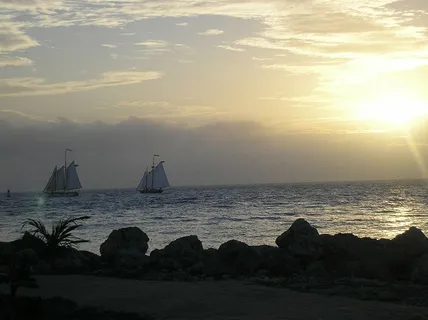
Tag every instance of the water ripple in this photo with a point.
(254, 214)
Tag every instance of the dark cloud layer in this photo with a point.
(115, 155)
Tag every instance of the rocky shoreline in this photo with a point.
(343, 264)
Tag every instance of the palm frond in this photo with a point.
(61, 234)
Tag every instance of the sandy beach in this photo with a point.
(213, 300)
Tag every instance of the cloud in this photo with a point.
(153, 47)
(230, 48)
(211, 32)
(109, 45)
(14, 61)
(12, 38)
(183, 61)
(13, 87)
(153, 44)
(260, 59)
(219, 153)
(171, 112)
(19, 118)
(334, 43)
(30, 5)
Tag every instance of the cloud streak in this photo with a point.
(211, 32)
(14, 61)
(13, 87)
(12, 38)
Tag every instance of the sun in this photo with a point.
(394, 110)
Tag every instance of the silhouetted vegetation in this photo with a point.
(61, 234)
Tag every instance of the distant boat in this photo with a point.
(155, 180)
(8, 193)
(64, 182)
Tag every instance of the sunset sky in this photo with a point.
(226, 91)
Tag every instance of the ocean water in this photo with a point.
(255, 214)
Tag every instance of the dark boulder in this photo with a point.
(187, 250)
(277, 261)
(420, 271)
(28, 241)
(182, 253)
(212, 265)
(125, 247)
(348, 255)
(239, 258)
(70, 260)
(92, 260)
(301, 240)
(412, 242)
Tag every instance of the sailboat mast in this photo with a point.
(56, 175)
(147, 176)
(65, 168)
(153, 170)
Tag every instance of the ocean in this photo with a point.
(255, 214)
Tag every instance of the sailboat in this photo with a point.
(155, 180)
(64, 182)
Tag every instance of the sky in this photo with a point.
(226, 91)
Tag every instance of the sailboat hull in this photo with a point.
(62, 194)
(151, 191)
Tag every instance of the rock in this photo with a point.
(42, 267)
(413, 242)
(27, 256)
(7, 248)
(418, 316)
(70, 261)
(277, 261)
(348, 255)
(316, 269)
(301, 240)
(189, 245)
(239, 258)
(213, 267)
(179, 254)
(125, 247)
(93, 260)
(420, 272)
(197, 269)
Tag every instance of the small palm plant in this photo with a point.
(61, 234)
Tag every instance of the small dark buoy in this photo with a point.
(8, 193)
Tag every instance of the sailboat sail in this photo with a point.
(160, 180)
(73, 182)
(60, 179)
(50, 186)
(143, 182)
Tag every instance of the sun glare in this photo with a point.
(393, 110)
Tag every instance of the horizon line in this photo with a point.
(246, 184)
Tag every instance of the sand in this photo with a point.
(213, 300)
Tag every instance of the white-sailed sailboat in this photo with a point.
(155, 180)
(64, 182)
